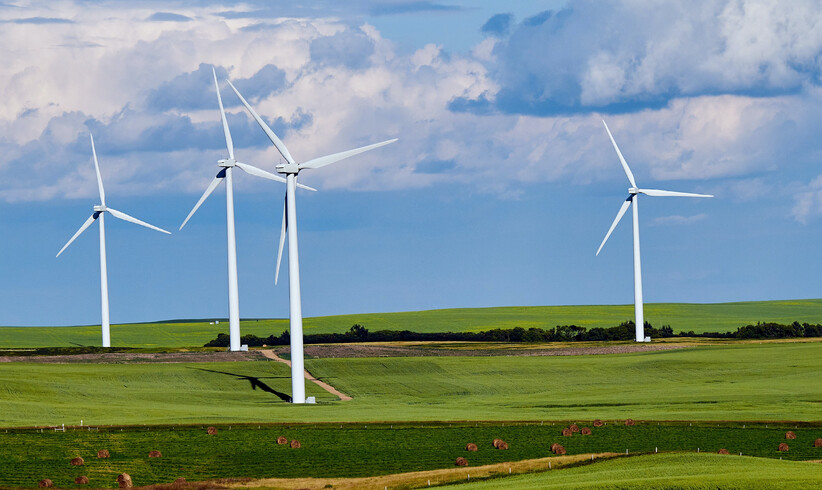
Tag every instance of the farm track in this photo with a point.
(322, 384)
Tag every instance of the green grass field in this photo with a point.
(327, 450)
(733, 381)
(671, 471)
(721, 317)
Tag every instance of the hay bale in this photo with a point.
(790, 435)
(103, 453)
(503, 445)
(180, 480)
(78, 461)
(211, 431)
(722, 451)
(598, 423)
(45, 483)
(630, 422)
(784, 447)
(567, 432)
(559, 450)
(586, 431)
(81, 480)
(554, 447)
(574, 427)
(817, 443)
(461, 461)
(124, 480)
(295, 444)
(497, 442)
(471, 447)
(155, 454)
(282, 440)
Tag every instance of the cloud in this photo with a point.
(413, 8)
(168, 17)
(583, 58)
(498, 25)
(678, 220)
(351, 48)
(43, 20)
(808, 202)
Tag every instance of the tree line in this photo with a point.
(560, 333)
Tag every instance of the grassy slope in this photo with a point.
(776, 381)
(692, 471)
(681, 316)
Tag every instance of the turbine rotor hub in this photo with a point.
(99, 208)
(633, 190)
(288, 168)
(227, 162)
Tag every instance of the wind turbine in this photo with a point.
(227, 165)
(99, 215)
(633, 194)
(291, 168)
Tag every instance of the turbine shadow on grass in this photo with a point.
(256, 383)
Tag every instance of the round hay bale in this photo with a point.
(211, 431)
(567, 432)
(45, 483)
(722, 451)
(180, 480)
(630, 422)
(155, 454)
(497, 442)
(554, 447)
(282, 440)
(586, 431)
(503, 445)
(790, 435)
(784, 447)
(103, 453)
(461, 461)
(78, 461)
(574, 427)
(559, 450)
(124, 480)
(471, 447)
(81, 480)
(817, 443)
(295, 444)
(598, 423)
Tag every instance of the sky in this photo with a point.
(500, 189)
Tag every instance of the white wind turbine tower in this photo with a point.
(291, 169)
(227, 165)
(633, 194)
(99, 215)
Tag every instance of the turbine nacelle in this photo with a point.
(100, 208)
(227, 162)
(633, 190)
(288, 168)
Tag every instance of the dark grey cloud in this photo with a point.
(350, 48)
(168, 17)
(498, 25)
(618, 57)
(195, 90)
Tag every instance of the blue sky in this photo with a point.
(498, 193)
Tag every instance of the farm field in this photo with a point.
(658, 471)
(732, 381)
(251, 451)
(720, 317)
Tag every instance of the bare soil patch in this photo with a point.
(140, 358)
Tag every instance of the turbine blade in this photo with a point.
(329, 159)
(123, 216)
(659, 193)
(273, 137)
(88, 223)
(282, 241)
(621, 158)
(259, 172)
(228, 143)
(625, 206)
(303, 186)
(213, 185)
(97, 169)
